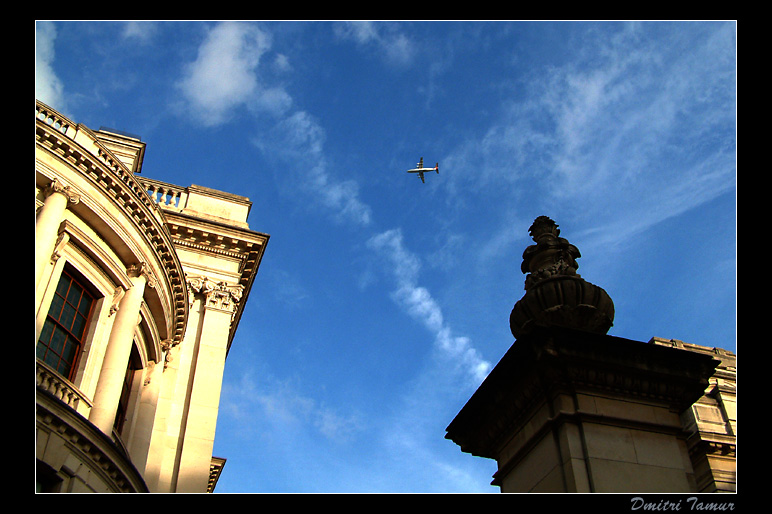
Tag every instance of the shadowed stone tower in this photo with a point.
(572, 409)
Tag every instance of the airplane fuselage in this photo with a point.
(421, 170)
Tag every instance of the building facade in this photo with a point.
(139, 289)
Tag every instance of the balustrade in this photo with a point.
(165, 195)
(52, 382)
(52, 118)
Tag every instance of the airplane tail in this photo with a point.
(437, 168)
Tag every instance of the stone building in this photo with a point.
(139, 289)
(572, 409)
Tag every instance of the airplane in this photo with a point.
(421, 170)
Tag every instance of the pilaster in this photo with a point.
(219, 302)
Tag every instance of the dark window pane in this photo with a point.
(57, 341)
(63, 286)
(85, 305)
(63, 368)
(52, 360)
(56, 306)
(68, 314)
(78, 325)
(69, 350)
(74, 295)
(45, 334)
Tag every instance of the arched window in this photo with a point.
(60, 340)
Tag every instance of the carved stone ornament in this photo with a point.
(56, 186)
(142, 269)
(555, 294)
(219, 295)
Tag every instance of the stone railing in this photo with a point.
(49, 380)
(163, 194)
(54, 119)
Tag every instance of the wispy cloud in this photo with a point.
(224, 78)
(615, 131)
(283, 409)
(142, 32)
(297, 142)
(387, 39)
(420, 305)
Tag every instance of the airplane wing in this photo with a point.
(422, 177)
(421, 163)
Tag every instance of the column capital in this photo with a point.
(57, 186)
(141, 269)
(219, 295)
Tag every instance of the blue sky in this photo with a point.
(382, 302)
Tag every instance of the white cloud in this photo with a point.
(421, 306)
(223, 77)
(48, 87)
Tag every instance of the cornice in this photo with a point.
(224, 240)
(554, 361)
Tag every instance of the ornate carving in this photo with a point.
(550, 256)
(55, 134)
(61, 242)
(166, 347)
(142, 269)
(117, 296)
(56, 186)
(219, 295)
(555, 293)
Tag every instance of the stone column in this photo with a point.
(47, 223)
(220, 300)
(139, 446)
(116, 359)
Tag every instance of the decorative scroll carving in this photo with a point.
(117, 295)
(61, 242)
(166, 348)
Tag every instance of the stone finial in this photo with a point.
(555, 294)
